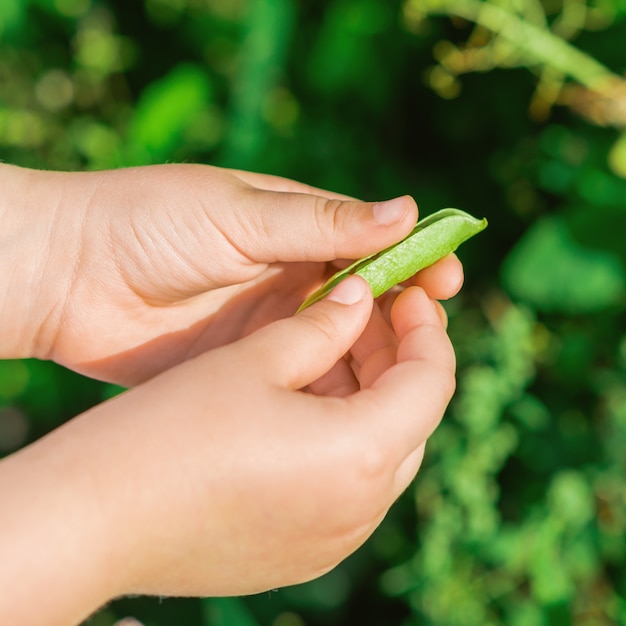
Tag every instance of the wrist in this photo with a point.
(30, 263)
(56, 537)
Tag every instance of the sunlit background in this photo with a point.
(510, 109)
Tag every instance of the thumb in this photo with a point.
(306, 227)
(296, 351)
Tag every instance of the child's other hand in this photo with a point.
(146, 267)
(222, 476)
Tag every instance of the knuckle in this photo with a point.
(330, 217)
(447, 377)
(366, 482)
(324, 325)
(372, 464)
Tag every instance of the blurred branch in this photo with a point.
(505, 37)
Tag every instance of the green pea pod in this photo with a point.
(432, 238)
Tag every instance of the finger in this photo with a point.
(299, 350)
(303, 227)
(414, 314)
(339, 382)
(375, 350)
(441, 280)
(414, 392)
(386, 301)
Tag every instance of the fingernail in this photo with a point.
(390, 211)
(349, 291)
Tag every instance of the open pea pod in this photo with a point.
(432, 238)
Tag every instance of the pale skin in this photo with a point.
(256, 448)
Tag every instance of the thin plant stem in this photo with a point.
(538, 44)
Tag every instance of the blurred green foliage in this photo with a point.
(513, 110)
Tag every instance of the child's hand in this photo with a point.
(131, 271)
(220, 476)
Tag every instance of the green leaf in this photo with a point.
(549, 269)
(617, 156)
(599, 227)
(12, 14)
(227, 612)
(14, 378)
(432, 238)
(570, 498)
(164, 111)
